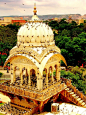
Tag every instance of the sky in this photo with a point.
(44, 7)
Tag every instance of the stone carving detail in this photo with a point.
(24, 61)
(52, 60)
(30, 51)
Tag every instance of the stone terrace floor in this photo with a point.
(68, 109)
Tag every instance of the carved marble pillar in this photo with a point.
(29, 79)
(39, 83)
(49, 72)
(14, 77)
(47, 77)
(21, 77)
(39, 80)
(58, 74)
(11, 67)
(26, 75)
(11, 78)
(52, 75)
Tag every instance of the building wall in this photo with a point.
(81, 21)
(8, 19)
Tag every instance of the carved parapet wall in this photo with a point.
(36, 95)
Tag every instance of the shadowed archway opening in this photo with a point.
(17, 75)
(33, 78)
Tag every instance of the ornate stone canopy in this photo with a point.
(35, 56)
(35, 73)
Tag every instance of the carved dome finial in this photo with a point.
(34, 9)
(35, 17)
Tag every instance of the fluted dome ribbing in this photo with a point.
(35, 34)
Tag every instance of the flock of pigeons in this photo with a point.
(22, 4)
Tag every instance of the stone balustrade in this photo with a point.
(76, 91)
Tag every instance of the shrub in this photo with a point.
(76, 78)
(1, 74)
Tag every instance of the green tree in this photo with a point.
(8, 38)
(73, 50)
(54, 24)
(75, 77)
(65, 32)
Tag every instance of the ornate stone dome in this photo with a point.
(35, 34)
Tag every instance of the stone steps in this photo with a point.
(74, 95)
(83, 103)
(78, 99)
(67, 89)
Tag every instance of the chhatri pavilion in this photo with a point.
(35, 53)
(35, 70)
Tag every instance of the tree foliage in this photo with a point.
(8, 39)
(71, 39)
(77, 78)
